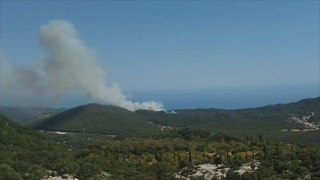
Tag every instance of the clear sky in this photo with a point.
(166, 47)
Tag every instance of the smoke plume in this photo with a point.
(69, 66)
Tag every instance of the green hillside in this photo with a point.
(99, 119)
(273, 122)
(25, 114)
(267, 121)
(26, 154)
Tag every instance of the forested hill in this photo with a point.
(278, 111)
(302, 106)
(99, 118)
(273, 121)
(294, 122)
(308, 104)
(26, 154)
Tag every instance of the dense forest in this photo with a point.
(26, 154)
(281, 122)
(175, 154)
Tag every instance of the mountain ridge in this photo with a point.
(268, 120)
(25, 114)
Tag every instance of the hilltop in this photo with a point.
(97, 118)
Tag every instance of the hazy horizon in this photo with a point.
(159, 54)
(203, 98)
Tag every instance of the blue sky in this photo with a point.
(166, 47)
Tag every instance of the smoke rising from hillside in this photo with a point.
(70, 66)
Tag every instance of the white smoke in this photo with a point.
(70, 66)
